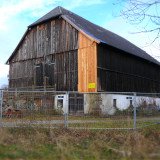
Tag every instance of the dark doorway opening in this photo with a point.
(76, 103)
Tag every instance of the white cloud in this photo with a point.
(10, 9)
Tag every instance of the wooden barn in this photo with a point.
(65, 52)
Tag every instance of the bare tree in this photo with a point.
(144, 12)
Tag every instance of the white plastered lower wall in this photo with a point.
(122, 102)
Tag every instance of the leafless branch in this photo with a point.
(145, 31)
(144, 12)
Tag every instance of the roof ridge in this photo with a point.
(60, 9)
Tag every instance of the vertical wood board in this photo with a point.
(87, 64)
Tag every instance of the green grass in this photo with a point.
(52, 144)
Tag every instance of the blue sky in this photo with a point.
(16, 15)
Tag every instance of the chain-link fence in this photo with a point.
(147, 109)
(79, 110)
(117, 111)
(33, 108)
(105, 111)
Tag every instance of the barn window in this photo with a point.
(114, 102)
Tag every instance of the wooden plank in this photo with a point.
(87, 64)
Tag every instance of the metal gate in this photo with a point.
(76, 103)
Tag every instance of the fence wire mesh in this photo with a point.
(104, 111)
(32, 108)
(79, 110)
(147, 109)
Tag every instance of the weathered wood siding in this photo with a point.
(54, 42)
(87, 64)
(66, 71)
(119, 71)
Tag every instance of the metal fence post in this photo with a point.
(134, 112)
(66, 120)
(1, 103)
(66, 110)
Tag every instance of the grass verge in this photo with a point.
(35, 143)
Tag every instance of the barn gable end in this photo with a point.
(53, 46)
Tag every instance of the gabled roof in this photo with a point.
(99, 34)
